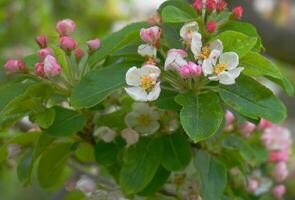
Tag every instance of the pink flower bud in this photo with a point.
(51, 67)
(42, 41)
(263, 124)
(221, 5)
(247, 128)
(280, 172)
(211, 27)
(229, 117)
(68, 44)
(93, 44)
(278, 156)
(237, 12)
(252, 185)
(43, 53)
(79, 53)
(184, 72)
(14, 66)
(65, 27)
(39, 69)
(279, 191)
(195, 70)
(198, 5)
(210, 5)
(151, 35)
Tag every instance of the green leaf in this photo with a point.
(31, 60)
(166, 101)
(97, 85)
(177, 151)
(237, 42)
(212, 175)
(171, 14)
(85, 152)
(24, 169)
(171, 36)
(117, 40)
(182, 5)
(140, 165)
(52, 163)
(253, 100)
(156, 184)
(198, 123)
(66, 122)
(45, 118)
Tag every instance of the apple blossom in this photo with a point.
(247, 128)
(279, 156)
(276, 138)
(280, 172)
(263, 124)
(79, 53)
(151, 35)
(86, 185)
(252, 185)
(147, 51)
(211, 26)
(187, 30)
(51, 67)
(279, 191)
(39, 69)
(14, 66)
(229, 119)
(220, 5)
(143, 82)
(131, 136)
(94, 44)
(237, 12)
(105, 133)
(184, 72)
(175, 59)
(65, 27)
(198, 5)
(42, 41)
(143, 119)
(43, 53)
(225, 71)
(67, 43)
(190, 70)
(210, 5)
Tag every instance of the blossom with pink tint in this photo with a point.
(237, 12)
(67, 43)
(279, 191)
(247, 129)
(86, 185)
(280, 172)
(39, 69)
(175, 59)
(263, 124)
(14, 66)
(210, 5)
(184, 72)
(195, 70)
(277, 138)
(211, 27)
(65, 27)
(221, 5)
(151, 35)
(279, 156)
(229, 119)
(131, 136)
(79, 53)
(252, 185)
(93, 45)
(51, 67)
(43, 53)
(42, 41)
(198, 5)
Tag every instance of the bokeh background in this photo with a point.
(22, 20)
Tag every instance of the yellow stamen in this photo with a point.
(147, 82)
(220, 68)
(205, 52)
(144, 120)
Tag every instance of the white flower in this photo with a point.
(226, 71)
(146, 50)
(186, 32)
(203, 52)
(86, 185)
(131, 136)
(143, 119)
(144, 83)
(175, 59)
(105, 133)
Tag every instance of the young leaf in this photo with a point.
(45, 118)
(140, 165)
(166, 101)
(177, 151)
(253, 100)
(171, 14)
(66, 122)
(198, 123)
(24, 169)
(182, 5)
(212, 174)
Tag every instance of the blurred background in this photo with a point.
(22, 20)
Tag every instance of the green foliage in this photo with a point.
(171, 14)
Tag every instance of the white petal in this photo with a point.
(154, 114)
(231, 59)
(213, 78)
(154, 93)
(235, 73)
(133, 76)
(131, 119)
(207, 67)
(196, 44)
(187, 29)
(217, 45)
(146, 50)
(150, 70)
(137, 93)
(214, 55)
(226, 78)
(140, 107)
(174, 62)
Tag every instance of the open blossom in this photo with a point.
(225, 69)
(131, 136)
(277, 138)
(93, 45)
(147, 51)
(143, 82)
(43, 53)
(143, 119)
(14, 66)
(105, 133)
(67, 43)
(151, 35)
(258, 184)
(280, 172)
(39, 69)
(65, 27)
(175, 59)
(279, 191)
(279, 156)
(42, 40)
(51, 67)
(186, 32)
(86, 185)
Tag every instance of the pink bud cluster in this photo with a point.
(210, 6)
(151, 35)
(14, 66)
(190, 70)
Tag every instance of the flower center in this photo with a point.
(144, 120)
(205, 53)
(147, 82)
(220, 68)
